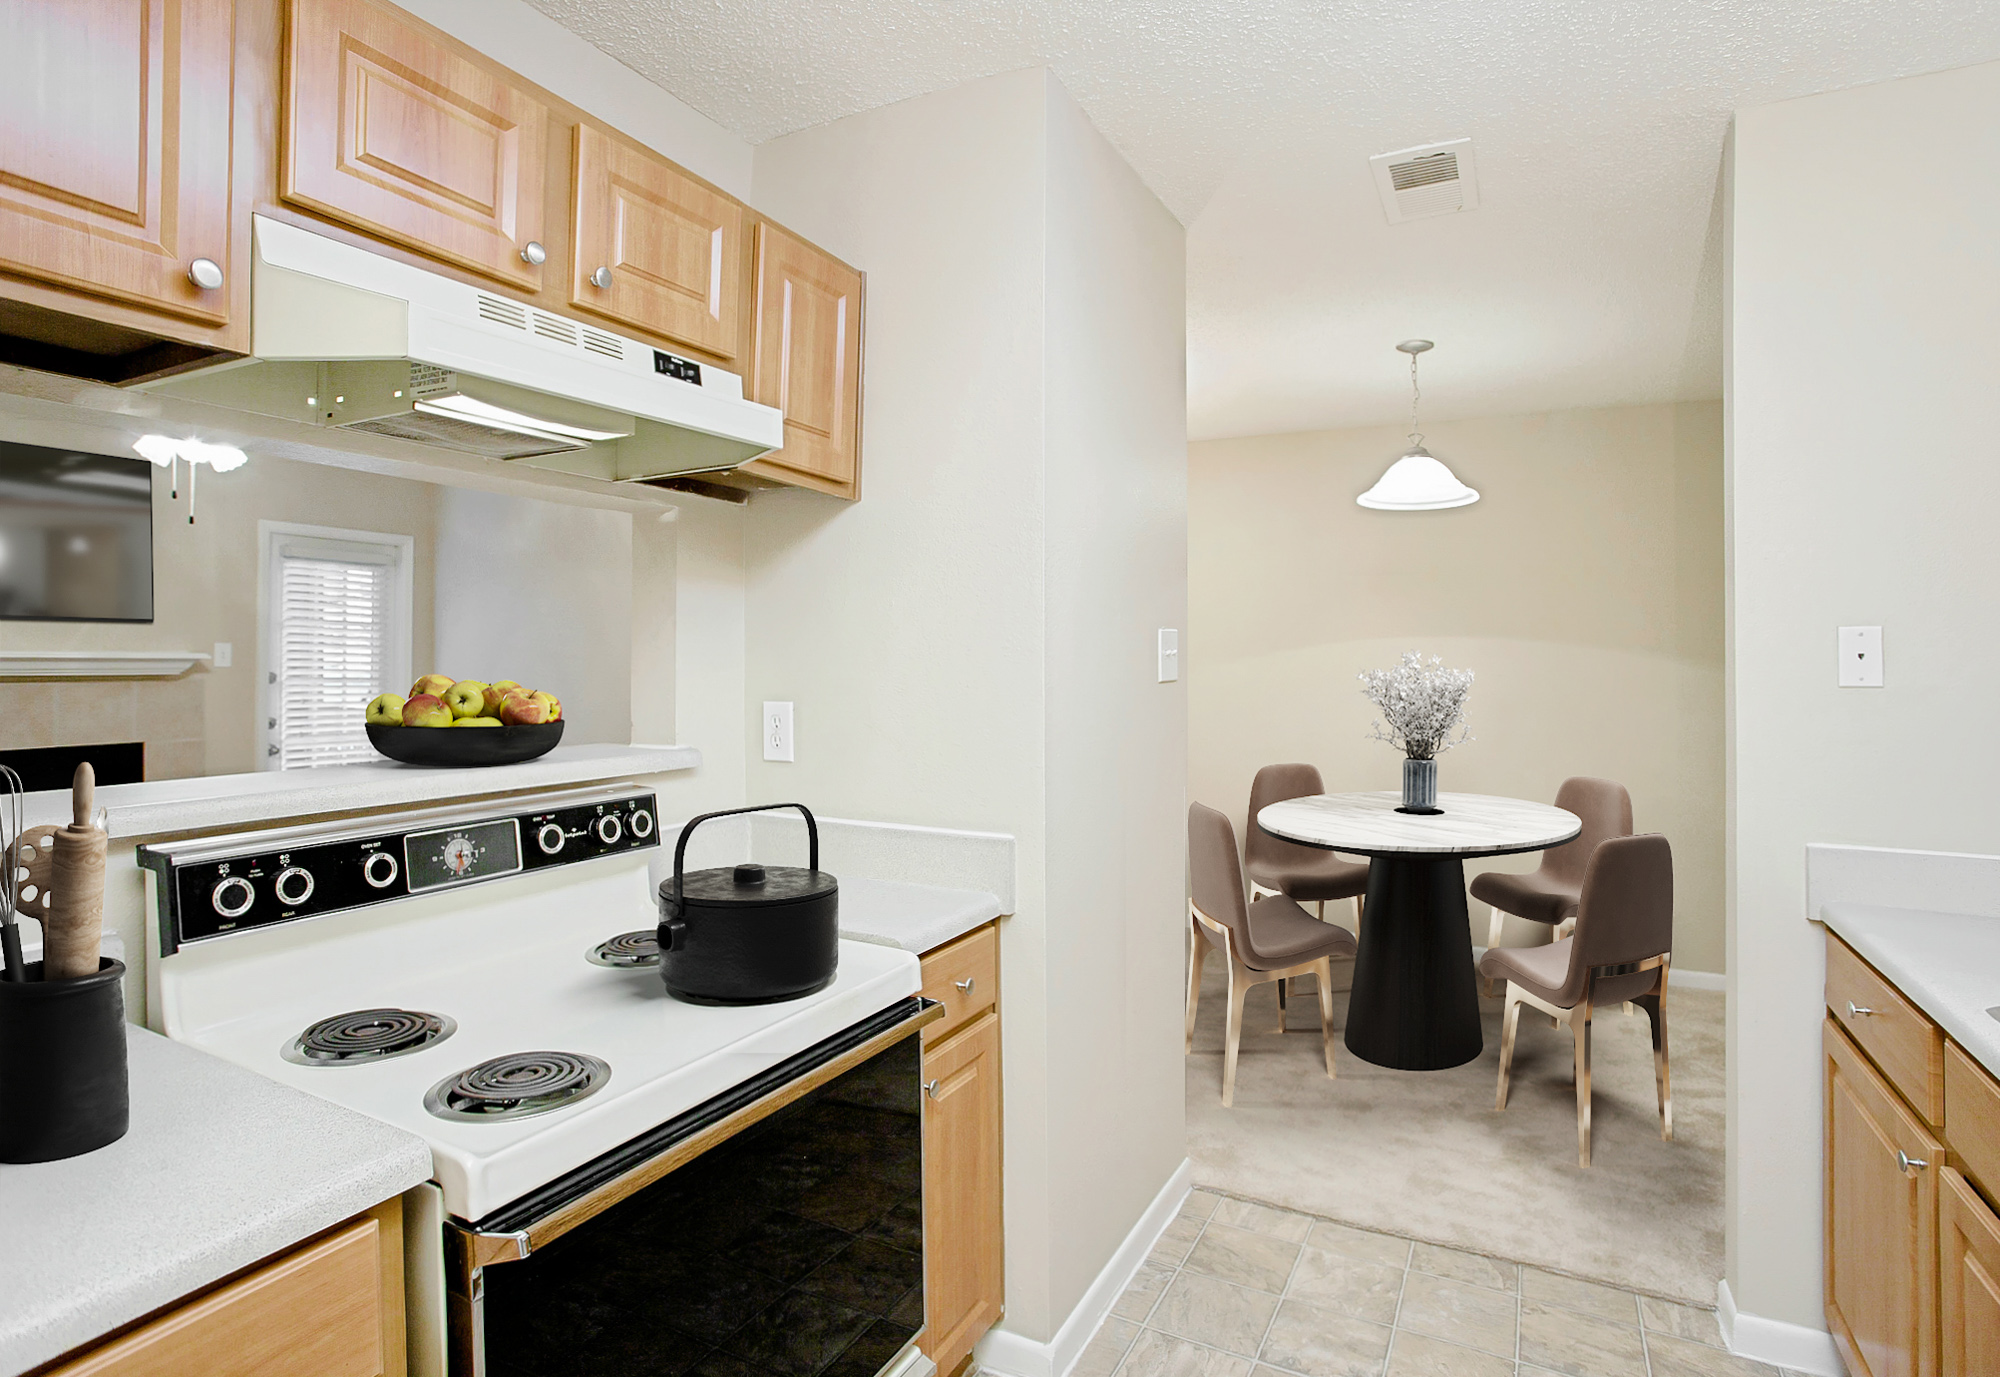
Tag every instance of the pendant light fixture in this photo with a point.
(1417, 482)
(169, 453)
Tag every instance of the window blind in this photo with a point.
(334, 623)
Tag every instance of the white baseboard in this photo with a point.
(1696, 980)
(1796, 1346)
(1003, 1353)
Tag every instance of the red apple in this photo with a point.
(550, 702)
(426, 710)
(519, 710)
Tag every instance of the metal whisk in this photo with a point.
(11, 827)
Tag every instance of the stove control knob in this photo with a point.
(550, 838)
(609, 829)
(379, 870)
(641, 823)
(232, 896)
(294, 885)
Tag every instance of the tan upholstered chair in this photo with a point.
(1303, 874)
(1549, 893)
(1272, 939)
(1620, 951)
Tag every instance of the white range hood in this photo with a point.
(345, 338)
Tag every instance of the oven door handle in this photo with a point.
(483, 1248)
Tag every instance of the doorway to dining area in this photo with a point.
(1584, 591)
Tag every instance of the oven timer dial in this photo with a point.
(294, 885)
(379, 870)
(550, 838)
(232, 896)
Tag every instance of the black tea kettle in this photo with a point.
(748, 934)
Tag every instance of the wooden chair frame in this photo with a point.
(1241, 978)
(1577, 1019)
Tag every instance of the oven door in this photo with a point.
(777, 1229)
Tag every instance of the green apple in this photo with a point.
(496, 694)
(433, 685)
(477, 722)
(426, 710)
(386, 710)
(466, 698)
(551, 704)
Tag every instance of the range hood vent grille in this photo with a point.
(467, 437)
(1432, 179)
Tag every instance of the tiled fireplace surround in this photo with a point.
(166, 714)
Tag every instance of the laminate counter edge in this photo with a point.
(1947, 964)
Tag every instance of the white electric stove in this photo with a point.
(484, 976)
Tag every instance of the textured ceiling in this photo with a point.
(1590, 274)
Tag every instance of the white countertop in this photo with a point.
(914, 917)
(233, 802)
(221, 1168)
(1948, 964)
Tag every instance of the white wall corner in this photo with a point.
(1794, 1346)
(1003, 1353)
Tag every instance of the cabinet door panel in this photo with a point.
(808, 360)
(673, 248)
(1969, 1277)
(390, 131)
(1881, 1221)
(114, 172)
(962, 1225)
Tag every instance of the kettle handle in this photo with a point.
(680, 847)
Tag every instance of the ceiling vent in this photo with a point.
(1431, 179)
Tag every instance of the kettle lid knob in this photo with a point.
(749, 873)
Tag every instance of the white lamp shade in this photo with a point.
(1417, 483)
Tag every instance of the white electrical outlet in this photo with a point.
(225, 653)
(1170, 654)
(1861, 657)
(777, 731)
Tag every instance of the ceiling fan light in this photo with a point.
(1417, 483)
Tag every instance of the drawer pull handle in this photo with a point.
(1853, 1011)
(964, 986)
(1908, 1163)
(931, 1089)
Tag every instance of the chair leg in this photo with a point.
(1323, 972)
(1284, 988)
(1510, 1022)
(1656, 1010)
(1195, 955)
(1579, 1026)
(1495, 926)
(1233, 1036)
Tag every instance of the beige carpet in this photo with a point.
(1422, 1154)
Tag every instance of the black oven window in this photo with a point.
(795, 1248)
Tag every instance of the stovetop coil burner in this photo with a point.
(629, 951)
(518, 1086)
(367, 1035)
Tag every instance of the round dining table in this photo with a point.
(1415, 1000)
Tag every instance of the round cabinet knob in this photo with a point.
(232, 896)
(534, 254)
(294, 885)
(379, 870)
(550, 838)
(601, 279)
(641, 823)
(609, 829)
(205, 273)
(964, 986)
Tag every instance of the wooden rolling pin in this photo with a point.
(73, 931)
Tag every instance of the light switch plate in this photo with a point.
(1861, 657)
(777, 731)
(1170, 654)
(225, 655)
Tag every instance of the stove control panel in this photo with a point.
(223, 885)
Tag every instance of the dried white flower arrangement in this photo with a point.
(1421, 703)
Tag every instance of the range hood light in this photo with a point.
(500, 418)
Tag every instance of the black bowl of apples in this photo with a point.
(465, 722)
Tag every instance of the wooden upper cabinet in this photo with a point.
(806, 360)
(654, 248)
(391, 131)
(114, 165)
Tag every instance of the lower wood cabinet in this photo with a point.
(332, 1307)
(963, 1253)
(1968, 1280)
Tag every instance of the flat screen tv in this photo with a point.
(76, 536)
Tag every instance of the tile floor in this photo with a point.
(1237, 1289)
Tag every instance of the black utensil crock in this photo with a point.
(63, 1088)
(748, 934)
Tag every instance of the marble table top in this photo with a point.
(1470, 825)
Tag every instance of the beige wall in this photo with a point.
(1864, 395)
(1584, 588)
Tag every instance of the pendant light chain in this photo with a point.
(1416, 435)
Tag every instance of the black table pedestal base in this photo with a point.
(1415, 1003)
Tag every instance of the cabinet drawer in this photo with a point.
(964, 976)
(318, 1312)
(1972, 1118)
(1892, 1031)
